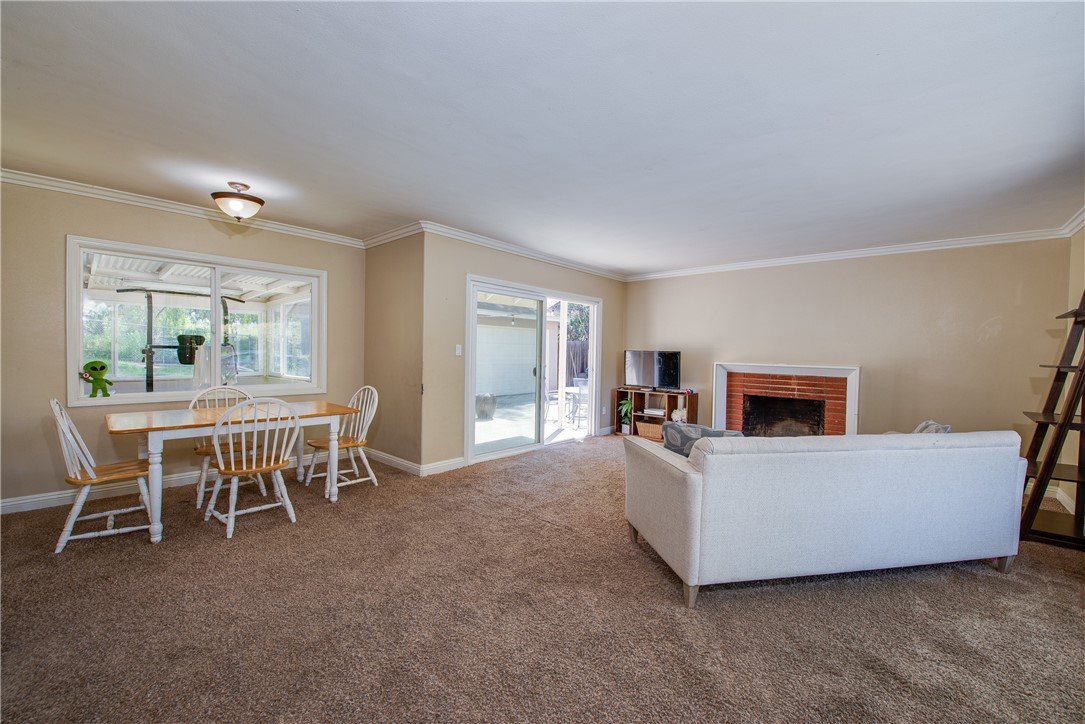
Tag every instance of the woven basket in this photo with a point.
(650, 430)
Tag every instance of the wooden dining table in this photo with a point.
(156, 426)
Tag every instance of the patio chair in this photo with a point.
(352, 435)
(216, 398)
(255, 436)
(550, 404)
(578, 402)
(85, 473)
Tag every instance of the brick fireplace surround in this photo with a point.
(837, 386)
(833, 390)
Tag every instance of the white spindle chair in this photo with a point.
(253, 437)
(352, 435)
(216, 398)
(85, 473)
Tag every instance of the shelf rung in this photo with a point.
(1068, 368)
(1058, 528)
(1078, 313)
(1052, 418)
(1063, 472)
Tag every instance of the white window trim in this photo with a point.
(74, 301)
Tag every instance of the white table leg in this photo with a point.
(299, 454)
(333, 460)
(154, 484)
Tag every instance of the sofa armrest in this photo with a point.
(663, 502)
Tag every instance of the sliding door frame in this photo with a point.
(480, 283)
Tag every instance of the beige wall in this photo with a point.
(35, 225)
(393, 334)
(448, 262)
(954, 335)
(1077, 269)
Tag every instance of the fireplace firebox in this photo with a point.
(764, 416)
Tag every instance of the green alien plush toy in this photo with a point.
(94, 373)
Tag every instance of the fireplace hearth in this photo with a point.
(782, 416)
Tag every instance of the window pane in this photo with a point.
(297, 340)
(118, 290)
(97, 332)
(245, 336)
(131, 339)
(275, 340)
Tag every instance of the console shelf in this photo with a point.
(648, 423)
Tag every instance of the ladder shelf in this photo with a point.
(1062, 529)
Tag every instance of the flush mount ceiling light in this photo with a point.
(236, 203)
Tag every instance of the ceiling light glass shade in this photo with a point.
(238, 205)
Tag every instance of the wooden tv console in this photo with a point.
(649, 424)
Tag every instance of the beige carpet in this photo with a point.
(509, 591)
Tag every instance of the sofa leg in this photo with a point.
(632, 532)
(1005, 563)
(690, 594)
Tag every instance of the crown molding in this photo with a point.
(989, 240)
(21, 178)
(479, 240)
(486, 241)
(399, 232)
(1075, 224)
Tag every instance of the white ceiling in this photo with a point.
(627, 137)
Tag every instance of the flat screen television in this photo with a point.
(652, 368)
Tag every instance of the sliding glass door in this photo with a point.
(505, 362)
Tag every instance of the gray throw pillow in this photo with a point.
(680, 436)
(931, 426)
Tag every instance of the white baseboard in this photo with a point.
(108, 490)
(414, 468)
(443, 466)
(1064, 498)
(392, 461)
(1056, 492)
(111, 490)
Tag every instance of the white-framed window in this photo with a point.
(167, 323)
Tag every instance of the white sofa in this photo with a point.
(754, 508)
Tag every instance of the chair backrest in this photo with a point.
(217, 398)
(77, 457)
(257, 433)
(357, 424)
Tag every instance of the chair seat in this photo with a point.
(207, 451)
(238, 466)
(323, 443)
(124, 470)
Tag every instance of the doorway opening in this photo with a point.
(532, 356)
(569, 409)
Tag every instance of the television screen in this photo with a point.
(648, 368)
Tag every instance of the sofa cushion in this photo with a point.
(680, 436)
(931, 426)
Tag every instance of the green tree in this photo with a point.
(579, 317)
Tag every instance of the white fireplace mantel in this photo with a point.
(719, 387)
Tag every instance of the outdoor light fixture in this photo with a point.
(236, 203)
